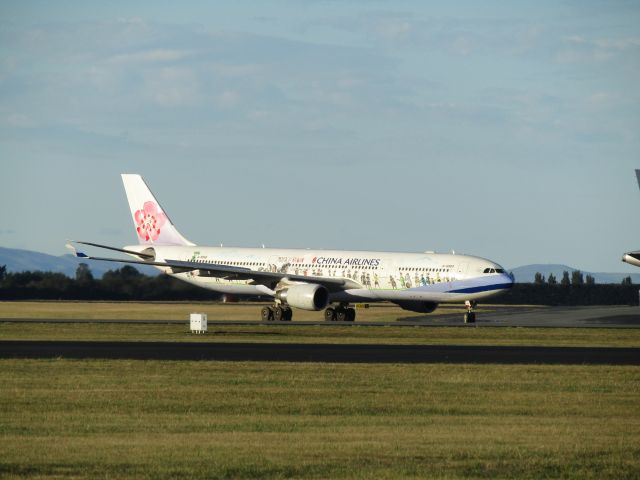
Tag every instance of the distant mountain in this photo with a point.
(527, 273)
(18, 260)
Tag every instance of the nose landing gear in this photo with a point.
(470, 316)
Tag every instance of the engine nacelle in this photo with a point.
(305, 296)
(417, 306)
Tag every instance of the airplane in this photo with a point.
(633, 258)
(329, 280)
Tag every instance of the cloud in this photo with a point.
(151, 56)
(21, 120)
(606, 43)
(418, 71)
(394, 29)
(602, 99)
(236, 70)
(579, 48)
(227, 99)
(172, 86)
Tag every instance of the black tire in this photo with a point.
(351, 314)
(288, 315)
(341, 315)
(278, 313)
(470, 317)
(267, 314)
(329, 314)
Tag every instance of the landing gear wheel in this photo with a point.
(341, 314)
(329, 315)
(278, 313)
(351, 314)
(266, 314)
(287, 315)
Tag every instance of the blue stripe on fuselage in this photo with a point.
(485, 283)
(483, 288)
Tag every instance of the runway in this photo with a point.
(551, 317)
(324, 353)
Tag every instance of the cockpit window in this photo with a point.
(493, 270)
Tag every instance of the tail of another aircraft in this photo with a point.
(152, 224)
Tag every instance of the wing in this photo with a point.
(269, 279)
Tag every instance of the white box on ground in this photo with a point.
(198, 322)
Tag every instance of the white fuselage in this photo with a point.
(372, 276)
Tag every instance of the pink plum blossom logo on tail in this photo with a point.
(149, 221)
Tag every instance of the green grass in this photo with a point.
(156, 420)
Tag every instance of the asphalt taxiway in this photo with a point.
(325, 353)
(550, 317)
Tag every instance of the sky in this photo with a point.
(507, 130)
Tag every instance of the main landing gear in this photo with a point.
(470, 316)
(341, 313)
(283, 313)
(278, 313)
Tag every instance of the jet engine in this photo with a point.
(417, 306)
(306, 296)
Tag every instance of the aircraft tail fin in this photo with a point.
(153, 226)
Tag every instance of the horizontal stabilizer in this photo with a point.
(115, 249)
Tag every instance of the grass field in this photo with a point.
(151, 419)
(195, 420)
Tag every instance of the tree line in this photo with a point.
(577, 278)
(127, 283)
(572, 289)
